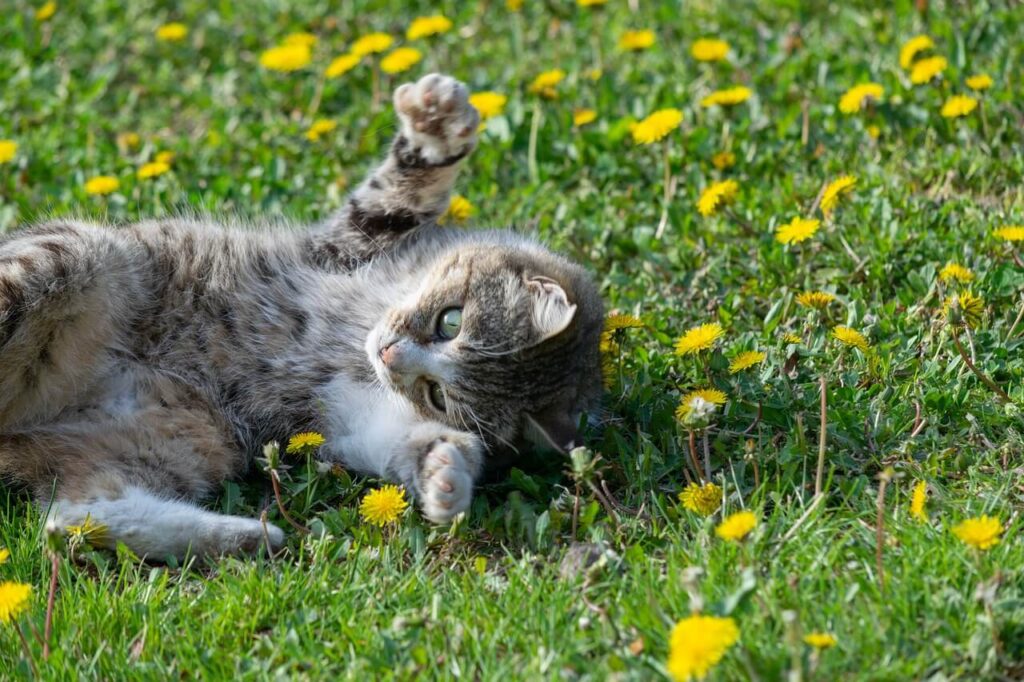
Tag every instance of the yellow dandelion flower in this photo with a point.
(164, 157)
(958, 105)
(699, 338)
(980, 82)
(8, 148)
(917, 501)
(372, 43)
(851, 337)
(702, 499)
(128, 140)
(834, 191)
(489, 104)
(820, 640)
(459, 210)
(13, 600)
(546, 82)
(172, 33)
(717, 195)
(924, 70)
(728, 97)
(874, 132)
(383, 505)
(709, 50)
(286, 58)
(5, 554)
(151, 170)
(797, 230)
(1010, 233)
(581, 117)
(745, 360)
(697, 644)
(859, 96)
(815, 299)
(339, 66)
(657, 125)
(616, 322)
(513, 5)
(954, 271)
(591, 3)
(300, 38)
(982, 532)
(90, 532)
(319, 128)
(422, 27)
(969, 309)
(46, 11)
(912, 47)
(790, 337)
(736, 526)
(723, 160)
(304, 442)
(701, 402)
(102, 184)
(637, 40)
(402, 59)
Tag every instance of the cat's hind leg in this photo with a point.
(158, 527)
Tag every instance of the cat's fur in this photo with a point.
(141, 366)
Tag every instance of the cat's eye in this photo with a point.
(449, 323)
(436, 396)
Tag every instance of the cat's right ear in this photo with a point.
(551, 311)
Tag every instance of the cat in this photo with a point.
(143, 365)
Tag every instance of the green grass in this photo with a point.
(485, 600)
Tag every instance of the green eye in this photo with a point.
(450, 323)
(436, 396)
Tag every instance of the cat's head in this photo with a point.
(501, 339)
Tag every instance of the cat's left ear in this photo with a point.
(554, 429)
(551, 311)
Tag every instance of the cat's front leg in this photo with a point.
(447, 463)
(411, 188)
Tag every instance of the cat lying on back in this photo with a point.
(141, 366)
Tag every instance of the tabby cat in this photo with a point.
(142, 365)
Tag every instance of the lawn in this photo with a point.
(917, 341)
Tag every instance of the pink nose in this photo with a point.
(387, 354)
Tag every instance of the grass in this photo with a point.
(489, 599)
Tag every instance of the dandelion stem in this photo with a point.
(693, 456)
(1013, 327)
(880, 529)
(531, 158)
(314, 104)
(51, 597)
(819, 476)
(977, 372)
(28, 652)
(707, 455)
(666, 187)
(280, 505)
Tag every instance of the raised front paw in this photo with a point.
(445, 482)
(437, 119)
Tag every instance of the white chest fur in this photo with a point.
(366, 424)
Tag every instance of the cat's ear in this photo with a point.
(554, 429)
(551, 311)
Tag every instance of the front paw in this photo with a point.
(437, 119)
(445, 482)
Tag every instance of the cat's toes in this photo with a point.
(437, 119)
(446, 486)
(244, 536)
